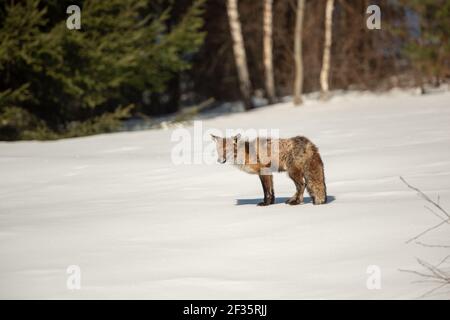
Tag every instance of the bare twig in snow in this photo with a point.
(428, 293)
(428, 230)
(436, 274)
(435, 204)
(424, 275)
(435, 213)
(432, 245)
(426, 198)
(442, 261)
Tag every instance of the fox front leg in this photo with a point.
(269, 194)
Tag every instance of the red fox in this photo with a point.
(298, 156)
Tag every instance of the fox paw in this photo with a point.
(267, 201)
(293, 201)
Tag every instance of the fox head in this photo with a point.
(226, 147)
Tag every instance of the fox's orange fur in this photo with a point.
(298, 156)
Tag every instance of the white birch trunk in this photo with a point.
(298, 83)
(268, 50)
(239, 53)
(325, 72)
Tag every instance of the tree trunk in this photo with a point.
(268, 57)
(325, 72)
(298, 84)
(239, 53)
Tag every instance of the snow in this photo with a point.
(140, 226)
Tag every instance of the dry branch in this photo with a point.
(436, 274)
(426, 198)
(435, 204)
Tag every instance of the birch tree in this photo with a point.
(325, 72)
(298, 56)
(239, 53)
(268, 50)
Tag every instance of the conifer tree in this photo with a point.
(57, 82)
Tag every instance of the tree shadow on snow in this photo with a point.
(278, 200)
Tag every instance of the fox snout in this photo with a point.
(225, 147)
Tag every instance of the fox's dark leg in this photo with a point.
(297, 176)
(269, 195)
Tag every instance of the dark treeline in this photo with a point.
(361, 58)
(153, 57)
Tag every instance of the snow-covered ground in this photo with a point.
(140, 226)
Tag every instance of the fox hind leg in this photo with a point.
(315, 180)
(297, 176)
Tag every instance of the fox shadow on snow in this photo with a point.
(254, 201)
